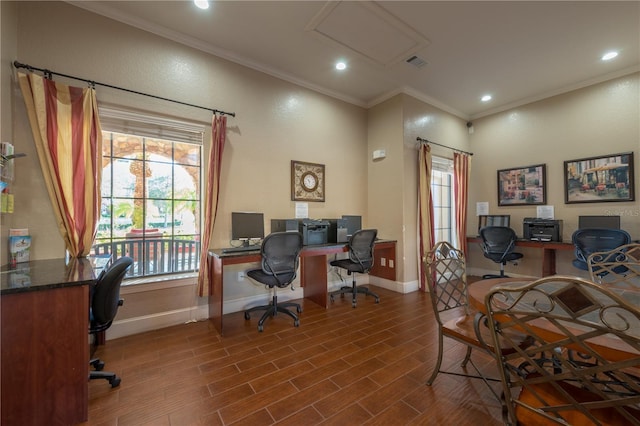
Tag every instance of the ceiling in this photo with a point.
(516, 51)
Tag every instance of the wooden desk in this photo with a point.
(45, 350)
(548, 251)
(313, 271)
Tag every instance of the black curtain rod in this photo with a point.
(419, 139)
(47, 73)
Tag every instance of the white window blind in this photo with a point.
(140, 124)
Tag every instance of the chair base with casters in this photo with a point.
(353, 290)
(272, 310)
(97, 363)
(502, 265)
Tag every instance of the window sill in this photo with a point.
(145, 284)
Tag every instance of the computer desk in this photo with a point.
(313, 271)
(548, 251)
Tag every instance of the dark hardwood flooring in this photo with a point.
(342, 366)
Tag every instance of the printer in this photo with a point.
(313, 231)
(536, 229)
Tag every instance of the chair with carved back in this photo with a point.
(584, 365)
(447, 281)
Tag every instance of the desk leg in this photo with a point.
(215, 292)
(313, 276)
(548, 262)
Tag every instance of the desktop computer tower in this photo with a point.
(283, 225)
(337, 230)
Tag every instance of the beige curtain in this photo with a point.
(425, 210)
(218, 138)
(66, 130)
(461, 171)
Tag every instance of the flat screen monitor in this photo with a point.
(493, 220)
(609, 222)
(246, 226)
(354, 223)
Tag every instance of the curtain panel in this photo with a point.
(461, 171)
(425, 210)
(66, 130)
(218, 138)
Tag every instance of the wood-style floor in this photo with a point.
(342, 366)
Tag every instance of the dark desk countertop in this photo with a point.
(48, 274)
(218, 252)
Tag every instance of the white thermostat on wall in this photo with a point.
(379, 153)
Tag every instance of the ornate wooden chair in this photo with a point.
(447, 279)
(619, 267)
(583, 367)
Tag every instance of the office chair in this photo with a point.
(105, 300)
(280, 257)
(498, 243)
(360, 260)
(591, 240)
(447, 279)
(583, 367)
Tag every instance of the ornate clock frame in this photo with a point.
(311, 173)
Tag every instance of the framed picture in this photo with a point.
(307, 181)
(599, 179)
(522, 185)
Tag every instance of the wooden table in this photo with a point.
(548, 248)
(45, 347)
(313, 271)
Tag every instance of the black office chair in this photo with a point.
(498, 243)
(280, 257)
(360, 260)
(105, 300)
(591, 240)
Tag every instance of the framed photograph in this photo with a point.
(522, 185)
(599, 179)
(307, 181)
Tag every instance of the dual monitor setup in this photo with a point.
(249, 226)
(548, 229)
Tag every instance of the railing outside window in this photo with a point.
(154, 256)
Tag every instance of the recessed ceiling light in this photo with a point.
(609, 56)
(485, 98)
(202, 4)
(341, 66)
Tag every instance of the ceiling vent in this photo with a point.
(416, 62)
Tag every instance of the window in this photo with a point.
(442, 196)
(151, 194)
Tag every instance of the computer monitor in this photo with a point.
(354, 223)
(247, 226)
(493, 220)
(609, 222)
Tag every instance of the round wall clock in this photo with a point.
(307, 181)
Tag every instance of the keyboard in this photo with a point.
(240, 249)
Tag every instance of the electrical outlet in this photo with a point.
(383, 261)
(241, 276)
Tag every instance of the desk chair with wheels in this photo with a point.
(280, 257)
(447, 280)
(590, 240)
(583, 367)
(105, 300)
(360, 260)
(498, 243)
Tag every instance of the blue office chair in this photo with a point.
(105, 301)
(280, 257)
(498, 243)
(591, 240)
